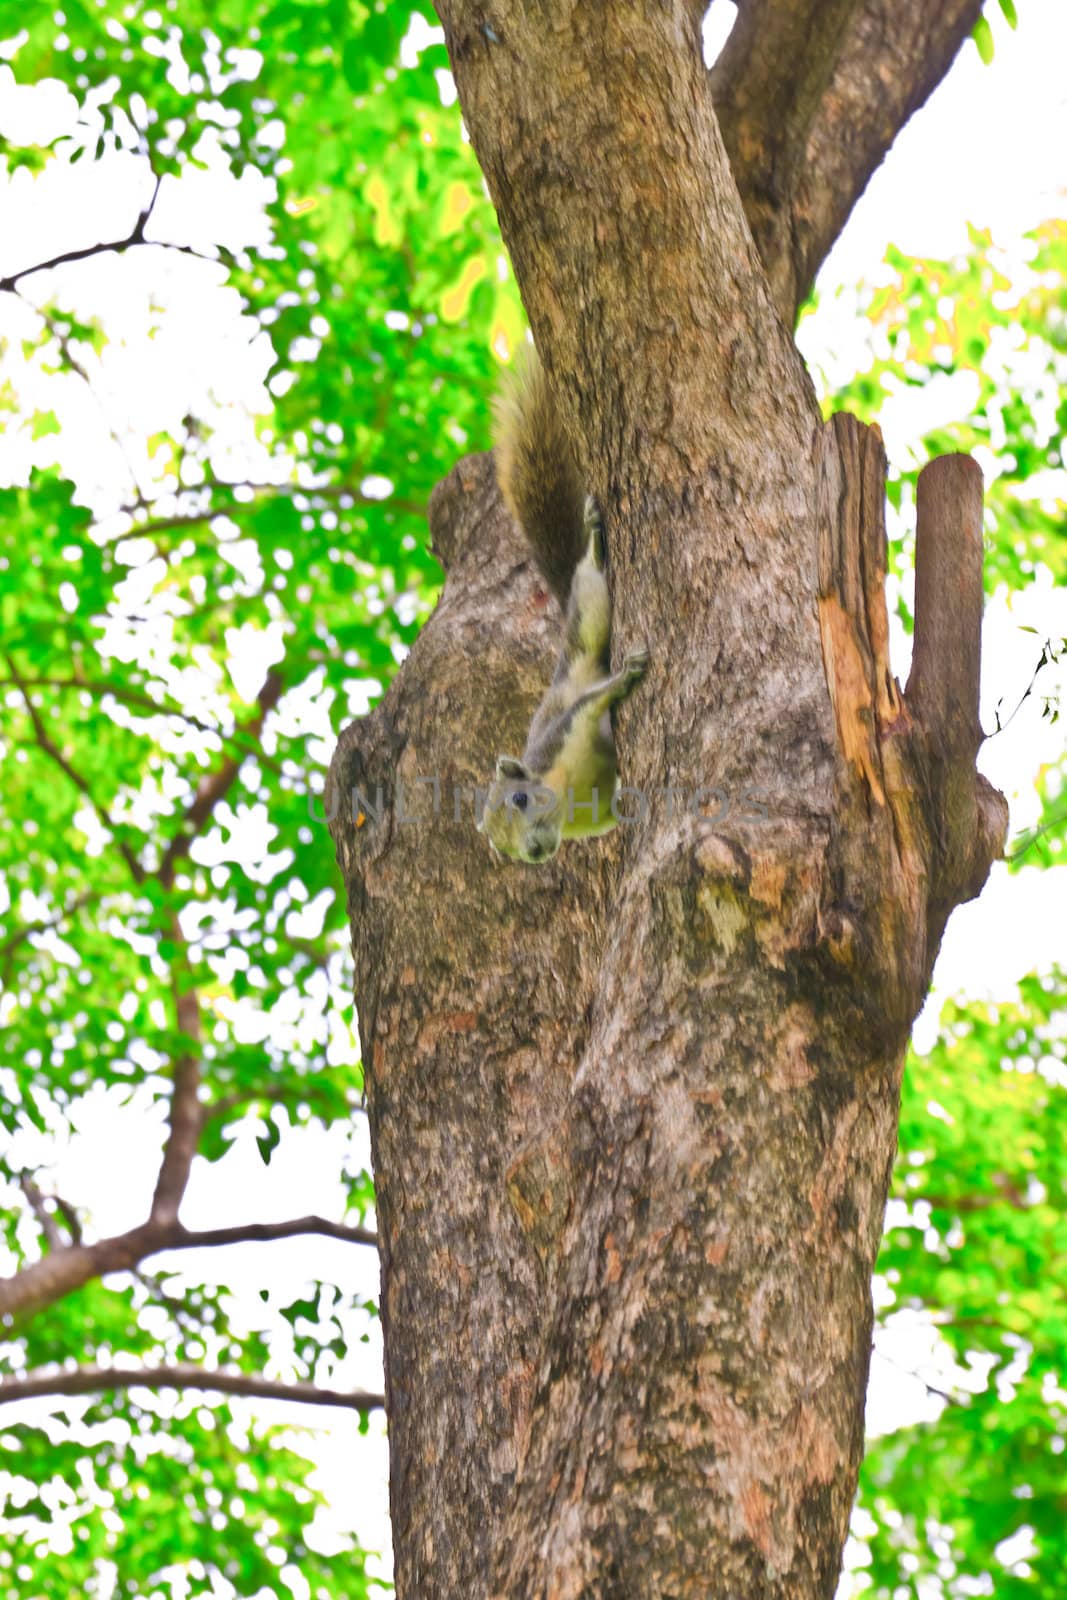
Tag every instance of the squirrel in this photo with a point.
(564, 784)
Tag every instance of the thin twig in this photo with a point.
(1050, 655)
(136, 236)
(181, 1313)
(36, 1202)
(52, 751)
(1038, 833)
(63, 340)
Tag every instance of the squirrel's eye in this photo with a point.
(521, 799)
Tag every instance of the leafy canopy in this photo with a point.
(184, 622)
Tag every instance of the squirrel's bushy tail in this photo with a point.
(538, 474)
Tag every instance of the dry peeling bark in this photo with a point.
(634, 1113)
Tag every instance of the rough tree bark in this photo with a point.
(634, 1113)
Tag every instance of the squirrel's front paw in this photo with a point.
(636, 664)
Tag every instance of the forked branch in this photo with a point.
(67, 1269)
(136, 235)
(810, 95)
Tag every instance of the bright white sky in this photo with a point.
(990, 149)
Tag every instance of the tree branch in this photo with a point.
(1008, 1193)
(186, 1113)
(53, 1276)
(20, 935)
(39, 1204)
(810, 95)
(214, 788)
(89, 1380)
(138, 702)
(59, 1274)
(70, 1217)
(267, 1232)
(9, 285)
(264, 492)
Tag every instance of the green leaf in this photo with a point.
(268, 1141)
(982, 34)
(42, 423)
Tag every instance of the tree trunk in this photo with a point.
(633, 1113)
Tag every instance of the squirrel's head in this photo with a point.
(522, 818)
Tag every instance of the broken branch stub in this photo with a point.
(918, 827)
(942, 689)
